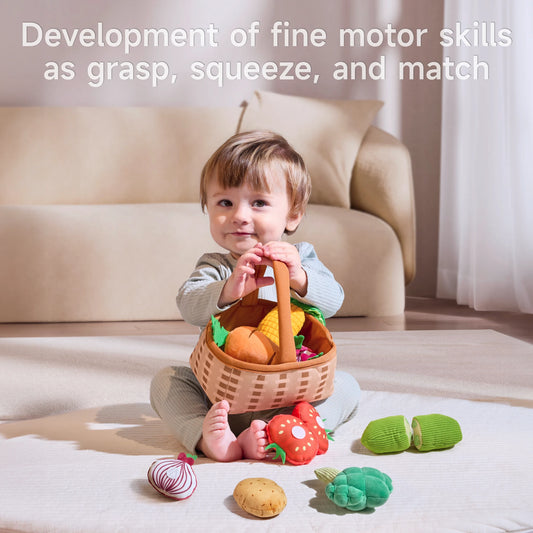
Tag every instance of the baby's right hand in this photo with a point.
(243, 279)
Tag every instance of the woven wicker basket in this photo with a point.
(255, 387)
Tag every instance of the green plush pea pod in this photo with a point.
(356, 488)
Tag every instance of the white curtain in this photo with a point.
(486, 205)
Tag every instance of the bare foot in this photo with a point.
(253, 440)
(218, 441)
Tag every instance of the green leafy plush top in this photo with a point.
(220, 333)
(311, 310)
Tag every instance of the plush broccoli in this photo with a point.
(356, 488)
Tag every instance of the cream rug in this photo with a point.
(79, 436)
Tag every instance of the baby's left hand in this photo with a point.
(288, 254)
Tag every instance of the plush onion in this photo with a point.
(173, 477)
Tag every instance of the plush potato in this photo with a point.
(260, 497)
(246, 343)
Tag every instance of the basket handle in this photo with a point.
(287, 349)
(252, 297)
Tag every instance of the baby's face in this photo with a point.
(240, 217)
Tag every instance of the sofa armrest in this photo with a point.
(382, 185)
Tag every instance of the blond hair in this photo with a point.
(244, 159)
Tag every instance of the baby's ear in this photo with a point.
(293, 221)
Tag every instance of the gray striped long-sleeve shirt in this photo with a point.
(197, 298)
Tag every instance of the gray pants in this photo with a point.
(181, 403)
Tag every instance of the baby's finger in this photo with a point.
(277, 249)
(245, 270)
(265, 261)
(264, 281)
(249, 258)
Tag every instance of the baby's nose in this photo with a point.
(241, 213)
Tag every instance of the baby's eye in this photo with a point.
(259, 203)
(225, 203)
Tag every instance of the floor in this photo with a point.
(420, 313)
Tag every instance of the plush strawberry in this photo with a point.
(310, 417)
(292, 440)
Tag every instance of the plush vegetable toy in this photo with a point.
(303, 353)
(428, 432)
(292, 440)
(260, 497)
(247, 343)
(309, 416)
(298, 437)
(269, 325)
(261, 344)
(174, 478)
(356, 488)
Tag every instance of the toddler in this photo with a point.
(255, 188)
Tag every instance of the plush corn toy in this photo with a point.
(269, 325)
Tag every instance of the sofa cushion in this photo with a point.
(357, 246)
(382, 185)
(107, 155)
(64, 263)
(327, 134)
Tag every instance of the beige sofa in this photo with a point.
(99, 212)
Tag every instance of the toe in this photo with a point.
(223, 404)
(258, 425)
